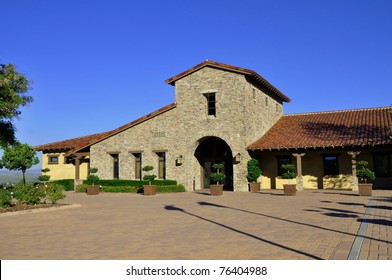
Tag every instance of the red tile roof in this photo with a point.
(76, 144)
(250, 73)
(329, 129)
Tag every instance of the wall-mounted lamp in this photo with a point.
(179, 160)
(237, 158)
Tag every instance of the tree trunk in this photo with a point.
(24, 176)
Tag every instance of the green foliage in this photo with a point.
(288, 171)
(13, 87)
(148, 177)
(148, 168)
(5, 198)
(174, 188)
(92, 179)
(67, 184)
(54, 192)
(121, 189)
(136, 189)
(44, 178)
(81, 188)
(19, 157)
(28, 193)
(364, 173)
(135, 183)
(218, 176)
(254, 172)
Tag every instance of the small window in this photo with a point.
(211, 104)
(254, 94)
(138, 165)
(116, 166)
(53, 159)
(283, 160)
(331, 165)
(161, 165)
(266, 101)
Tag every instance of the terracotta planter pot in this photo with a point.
(149, 189)
(254, 186)
(365, 189)
(92, 190)
(290, 189)
(216, 189)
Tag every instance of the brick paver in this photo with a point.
(314, 224)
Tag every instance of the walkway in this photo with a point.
(266, 225)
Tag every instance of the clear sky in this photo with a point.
(97, 65)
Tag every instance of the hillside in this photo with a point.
(7, 176)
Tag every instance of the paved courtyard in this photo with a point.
(314, 224)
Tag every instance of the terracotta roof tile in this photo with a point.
(328, 129)
(259, 79)
(76, 144)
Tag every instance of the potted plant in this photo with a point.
(149, 189)
(217, 177)
(92, 180)
(254, 173)
(289, 189)
(364, 174)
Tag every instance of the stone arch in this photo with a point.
(212, 150)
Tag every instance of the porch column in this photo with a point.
(300, 183)
(354, 182)
(77, 168)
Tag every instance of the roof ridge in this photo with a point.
(338, 111)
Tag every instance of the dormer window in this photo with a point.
(211, 103)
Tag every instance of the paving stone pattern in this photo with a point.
(196, 226)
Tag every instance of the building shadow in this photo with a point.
(203, 203)
(381, 222)
(174, 208)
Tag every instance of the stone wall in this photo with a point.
(242, 116)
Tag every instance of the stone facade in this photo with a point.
(244, 112)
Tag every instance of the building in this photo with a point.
(229, 114)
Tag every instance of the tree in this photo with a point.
(19, 157)
(13, 87)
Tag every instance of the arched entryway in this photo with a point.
(214, 150)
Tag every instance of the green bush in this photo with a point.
(81, 188)
(67, 184)
(175, 188)
(28, 193)
(139, 189)
(54, 192)
(5, 198)
(121, 189)
(288, 171)
(133, 183)
(364, 173)
(254, 171)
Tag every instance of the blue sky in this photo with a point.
(97, 65)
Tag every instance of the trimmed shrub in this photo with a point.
(121, 189)
(167, 189)
(54, 192)
(133, 183)
(28, 193)
(67, 184)
(5, 198)
(81, 188)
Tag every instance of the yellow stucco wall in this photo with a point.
(312, 167)
(61, 170)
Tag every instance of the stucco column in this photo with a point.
(77, 168)
(354, 183)
(300, 183)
